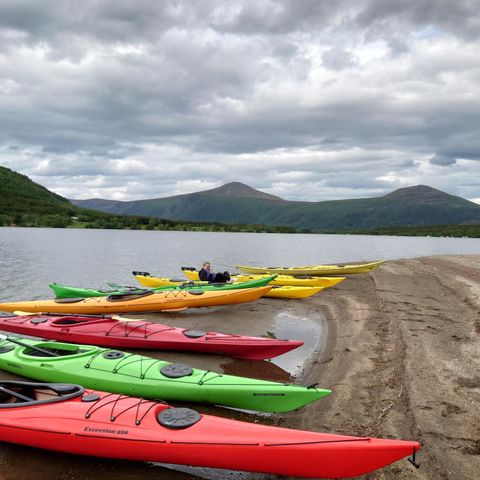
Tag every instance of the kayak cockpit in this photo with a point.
(71, 321)
(18, 394)
(49, 350)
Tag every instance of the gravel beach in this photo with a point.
(399, 347)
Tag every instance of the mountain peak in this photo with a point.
(237, 189)
(420, 194)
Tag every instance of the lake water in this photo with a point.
(31, 258)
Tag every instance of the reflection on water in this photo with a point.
(213, 473)
(261, 369)
(311, 332)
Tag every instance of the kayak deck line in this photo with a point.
(115, 401)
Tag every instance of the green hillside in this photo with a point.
(24, 201)
(21, 195)
(412, 206)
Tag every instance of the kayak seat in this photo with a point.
(60, 352)
(128, 296)
(69, 300)
(68, 321)
(143, 274)
(63, 388)
(189, 268)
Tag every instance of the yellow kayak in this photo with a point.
(276, 292)
(292, 292)
(142, 302)
(282, 280)
(343, 269)
(155, 282)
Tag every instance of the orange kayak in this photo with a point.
(142, 302)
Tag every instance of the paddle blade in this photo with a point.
(125, 319)
(173, 310)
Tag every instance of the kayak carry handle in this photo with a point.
(412, 459)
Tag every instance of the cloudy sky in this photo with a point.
(305, 99)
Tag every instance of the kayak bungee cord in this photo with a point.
(141, 401)
(143, 325)
(122, 356)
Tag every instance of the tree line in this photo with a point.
(130, 222)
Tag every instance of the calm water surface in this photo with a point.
(31, 258)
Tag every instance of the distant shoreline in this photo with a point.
(439, 231)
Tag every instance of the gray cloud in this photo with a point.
(146, 99)
(443, 160)
(338, 59)
(430, 17)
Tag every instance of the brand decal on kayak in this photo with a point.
(105, 430)
(268, 394)
(10, 364)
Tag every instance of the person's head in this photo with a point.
(206, 265)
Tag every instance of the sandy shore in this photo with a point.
(402, 356)
(404, 362)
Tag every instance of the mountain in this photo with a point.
(237, 189)
(239, 203)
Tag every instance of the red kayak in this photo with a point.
(106, 331)
(68, 418)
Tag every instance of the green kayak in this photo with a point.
(131, 374)
(65, 291)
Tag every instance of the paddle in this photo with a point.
(173, 310)
(38, 349)
(128, 288)
(114, 317)
(15, 394)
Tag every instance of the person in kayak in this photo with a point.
(206, 275)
